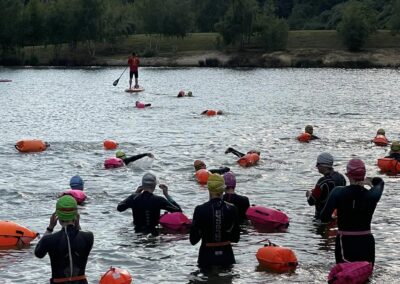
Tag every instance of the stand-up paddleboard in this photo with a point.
(135, 90)
(5, 80)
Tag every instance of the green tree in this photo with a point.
(34, 29)
(10, 12)
(208, 13)
(273, 31)
(239, 22)
(358, 22)
(394, 21)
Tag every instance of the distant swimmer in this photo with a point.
(183, 94)
(307, 135)
(319, 195)
(146, 206)
(200, 165)
(211, 112)
(216, 224)
(141, 105)
(127, 160)
(355, 207)
(246, 160)
(76, 183)
(133, 62)
(68, 248)
(380, 138)
(241, 202)
(394, 150)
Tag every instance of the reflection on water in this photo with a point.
(75, 110)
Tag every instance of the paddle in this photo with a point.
(116, 81)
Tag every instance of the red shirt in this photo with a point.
(133, 62)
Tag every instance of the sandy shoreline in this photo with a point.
(373, 58)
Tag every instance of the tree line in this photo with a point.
(60, 22)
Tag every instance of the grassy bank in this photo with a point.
(152, 48)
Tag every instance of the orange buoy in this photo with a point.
(277, 259)
(202, 176)
(380, 140)
(304, 137)
(211, 112)
(110, 144)
(31, 146)
(13, 234)
(249, 160)
(389, 165)
(116, 276)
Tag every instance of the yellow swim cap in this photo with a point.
(380, 131)
(216, 183)
(395, 146)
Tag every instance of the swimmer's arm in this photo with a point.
(235, 233)
(313, 137)
(195, 233)
(41, 248)
(220, 171)
(134, 158)
(330, 206)
(125, 204)
(377, 188)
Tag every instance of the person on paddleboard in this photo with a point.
(146, 206)
(133, 62)
(216, 224)
(355, 207)
(319, 194)
(68, 248)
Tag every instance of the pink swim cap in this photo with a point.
(356, 170)
(230, 180)
(139, 104)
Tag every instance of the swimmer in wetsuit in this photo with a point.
(355, 207)
(146, 206)
(216, 224)
(240, 154)
(394, 151)
(319, 195)
(240, 201)
(69, 248)
(310, 130)
(127, 160)
(199, 165)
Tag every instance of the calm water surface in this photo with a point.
(75, 110)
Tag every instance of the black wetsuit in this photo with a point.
(241, 202)
(129, 160)
(313, 137)
(219, 171)
(355, 206)
(395, 156)
(56, 245)
(216, 223)
(319, 195)
(146, 208)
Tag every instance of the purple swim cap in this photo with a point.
(230, 180)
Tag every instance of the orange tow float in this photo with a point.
(304, 137)
(202, 176)
(116, 276)
(27, 146)
(380, 140)
(277, 259)
(13, 234)
(248, 160)
(389, 165)
(110, 144)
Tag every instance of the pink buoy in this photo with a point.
(181, 94)
(350, 273)
(268, 217)
(79, 195)
(175, 221)
(113, 163)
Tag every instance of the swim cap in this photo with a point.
(66, 208)
(325, 159)
(215, 183)
(190, 94)
(380, 131)
(395, 146)
(199, 165)
(230, 180)
(309, 129)
(356, 170)
(76, 182)
(120, 154)
(149, 180)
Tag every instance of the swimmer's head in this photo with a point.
(190, 94)
(216, 184)
(356, 170)
(309, 129)
(76, 182)
(380, 131)
(149, 181)
(230, 180)
(120, 154)
(395, 147)
(66, 208)
(198, 165)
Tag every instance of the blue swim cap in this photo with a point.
(76, 182)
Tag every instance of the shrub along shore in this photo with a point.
(305, 48)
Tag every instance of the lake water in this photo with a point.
(75, 110)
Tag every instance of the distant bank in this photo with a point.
(305, 49)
